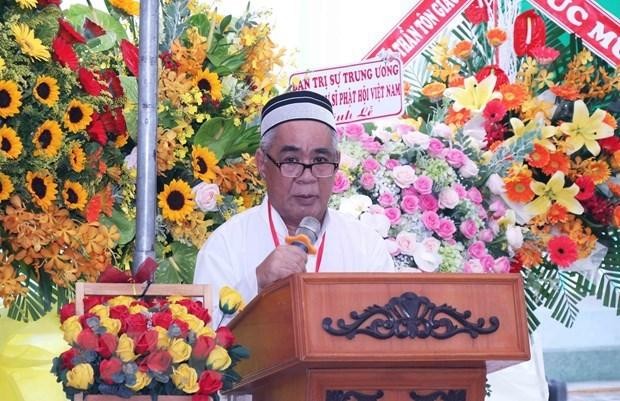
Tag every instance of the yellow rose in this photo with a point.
(230, 300)
(142, 380)
(163, 341)
(178, 310)
(137, 308)
(100, 311)
(112, 326)
(81, 376)
(71, 328)
(194, 322)
(173, 299)
(185, 378)
(124, 349)
(206, 331)
(218, 359)
(121, 300)
(179, 350)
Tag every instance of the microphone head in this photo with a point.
(310, 227)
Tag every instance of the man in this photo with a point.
(297, 158)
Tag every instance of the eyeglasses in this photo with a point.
(296, 169)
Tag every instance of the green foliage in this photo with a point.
(225, 139)
(175, 16)
(125, 225)
(77, 14)
(177, 265)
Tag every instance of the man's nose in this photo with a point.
(306, 175)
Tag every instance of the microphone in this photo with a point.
(306, 234)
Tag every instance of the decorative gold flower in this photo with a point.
(209, 83)
(6, 187)
(46, 90)
(10, 144)
(29, 45)
(130, 7)
(204, 163)
(10, 99)
(77, 157)
(77, 116)
(176, 200)
(47, 139)
(42, 187)
(74, 195)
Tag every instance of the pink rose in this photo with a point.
(448, 198)
(372, 147)
(469, 168)
(435, 147)
(392, 246)
(205, 196)
(404, 176)
(441, 130)
(393, 213)
(390, 164)
(354, 131)
(423, 184)
(501, 265)
(468, 228)
(368, 181)
(473, 266)
(455, 157)
(460, 189)
(486, 235)
(386, 199)
(341, 182)
(477, 250)
(406, 242)
(409, 204)
(428, 202)
(446, 228)
(370, 165)
(487, 263)
(430, 220)
(376, 209)
(474, 195)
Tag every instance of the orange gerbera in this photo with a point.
(558, 161)
(457, 118)
(518, 188)
(556, 214)
(513, 95)
(463, 49)
(598, 170)
(456, 80)
(614, 188)
(616, 218)
(566, 91)
(434, 91)
(610, 120)
(496, 36)
(529, 255)
(539, 156)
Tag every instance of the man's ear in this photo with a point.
(259, 157)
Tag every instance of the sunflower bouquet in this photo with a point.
(564, 193)
(61, 129)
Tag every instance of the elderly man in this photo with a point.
(297, 158)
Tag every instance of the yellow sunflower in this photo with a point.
(129, 7)
(42, 187)
(46, 90)
(208, 82)
(2, 64)
(47, 139)
(26, 4)
(176, 200)
(29, 45)
(6, 187)
(204, 163)
(77, 116)
(10, 99)
(10, 144)
(77, 157)
(74, 195)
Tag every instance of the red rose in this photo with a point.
(136, 324)
(476, 13)
(210, 382)
(66, 358)
(108, 368)
(91, 301)
(146, 342)
(202, 347)
(162, 319)
(224, 337)
(184, 327)
(120, 312)
(195, 308)
(107, 345)
(88, 340)
(159, 361)
(67, 311)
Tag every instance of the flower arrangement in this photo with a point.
(418, 186)
(564, 192)
(61, 129)
(125, 346)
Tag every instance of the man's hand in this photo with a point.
(281, 263)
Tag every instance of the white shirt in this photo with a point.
(232, 253)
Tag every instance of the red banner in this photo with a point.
(419, 27)
(598, 29)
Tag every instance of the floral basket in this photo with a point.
(136, 341)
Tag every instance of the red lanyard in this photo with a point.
(276, 241)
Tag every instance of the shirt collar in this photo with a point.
(279, 224)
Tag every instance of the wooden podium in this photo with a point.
(387, 337)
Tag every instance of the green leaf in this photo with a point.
(201, 22)
(175, 15)
(225, 139)
(77, 14)
(130, 87)
(125, 225)
(228, 65)
(176, 266)
(225, 22)
(37, 301)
